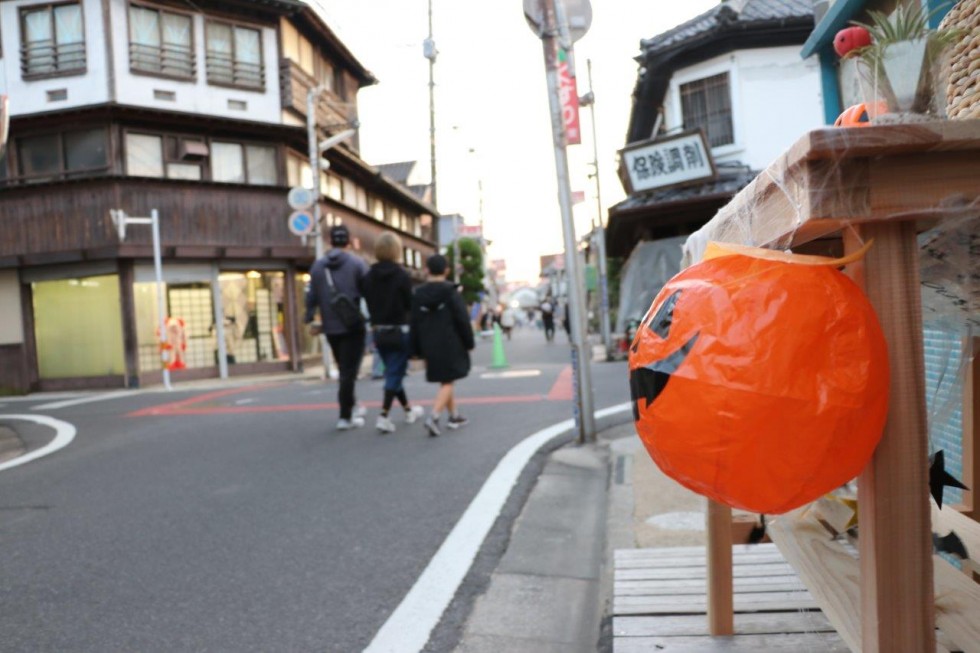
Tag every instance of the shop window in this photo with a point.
(234, 55)
(62, 154)
(52, 40)
(707, 103)
(160, 42)
(92, 345)
(254, 316)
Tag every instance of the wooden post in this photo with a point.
(720, 605)
(897, 607)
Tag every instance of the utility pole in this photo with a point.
(316, 150)
(548, 31)
(429, 52)
(599, 231)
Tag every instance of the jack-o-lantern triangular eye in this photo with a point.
(660, 323)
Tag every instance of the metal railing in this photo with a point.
(48, 57)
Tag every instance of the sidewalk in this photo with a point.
(552, 588)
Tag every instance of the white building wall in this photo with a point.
(195, 96)
(776, 97)
(31, 96)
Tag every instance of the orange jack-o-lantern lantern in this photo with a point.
(760, 382)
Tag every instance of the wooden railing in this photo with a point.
(39, 58)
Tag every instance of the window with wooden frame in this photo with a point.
(161, 42)
(193, 157)
(62, 155)
(172, 157)
(707, 103)
(239, 163)
(52, 40)
(234, 55)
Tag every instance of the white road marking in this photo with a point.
(43, 396)
(408, 628)
(511, 374)
(244, 401)
(64, 434)
(83, 400)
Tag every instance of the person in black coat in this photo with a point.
(442, 335)
(388, 292)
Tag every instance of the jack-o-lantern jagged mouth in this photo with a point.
(649, 381)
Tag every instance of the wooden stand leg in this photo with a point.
(720, 605)
(897, 606)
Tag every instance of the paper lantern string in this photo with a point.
(951, 544)
(940, 478)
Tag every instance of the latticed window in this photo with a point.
(53, 40)
(234, 56)
(707, 103)
(160, 42)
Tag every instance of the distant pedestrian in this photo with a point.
(566, 319)
(442, 335)
(336, 286)
(388, 291)
(548, 318)
(508, 320)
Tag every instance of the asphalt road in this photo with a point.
(238, 519)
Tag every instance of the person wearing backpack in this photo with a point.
(388, 291)
(336, 286)
(442, 335)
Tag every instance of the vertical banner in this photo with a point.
(568, 93)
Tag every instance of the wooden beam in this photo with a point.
(895, 545)
(720, 604)
(828, 571)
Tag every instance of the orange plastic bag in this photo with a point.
(760, 379)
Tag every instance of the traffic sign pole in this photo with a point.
(581, 354)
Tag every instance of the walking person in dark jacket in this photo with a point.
(441, 334)
(388, 291)
(340, 271)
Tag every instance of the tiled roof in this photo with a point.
(741, 13)
(397, 171)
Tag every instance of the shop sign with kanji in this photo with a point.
(676, 160)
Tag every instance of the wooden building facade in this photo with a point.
(197, 111)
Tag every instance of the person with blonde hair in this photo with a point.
(388, 292)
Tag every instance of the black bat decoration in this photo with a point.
(940, 478)
(951, 544)
(649, 381)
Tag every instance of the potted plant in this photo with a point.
(902, 61)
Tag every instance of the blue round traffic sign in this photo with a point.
(301, 223)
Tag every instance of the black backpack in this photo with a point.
(344, 307)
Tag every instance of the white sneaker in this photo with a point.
(384, 424)
(348, 424)
(359, 412)
(413, 414)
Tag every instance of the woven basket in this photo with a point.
(963, 88)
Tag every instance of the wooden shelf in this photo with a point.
(885, 183)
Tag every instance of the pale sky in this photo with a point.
(491, 98)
